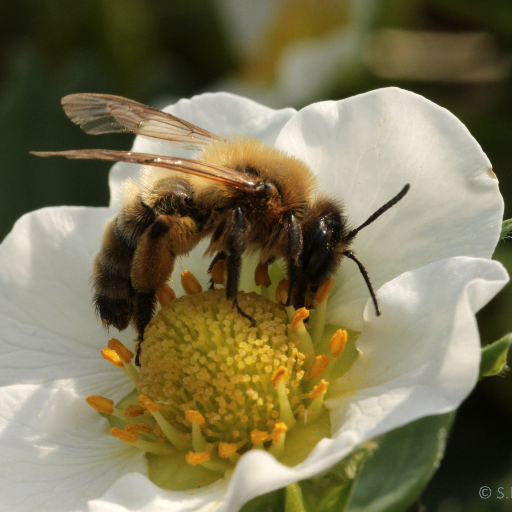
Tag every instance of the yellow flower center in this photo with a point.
(211, 386)
(200, 355)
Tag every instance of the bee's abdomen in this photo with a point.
(113, 292)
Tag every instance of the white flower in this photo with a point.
(429, 258)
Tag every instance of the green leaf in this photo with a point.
(270, 502)
(494, 357)
(330, 491)
(506, 228)
(395, 474)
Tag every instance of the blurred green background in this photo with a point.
(457, 53)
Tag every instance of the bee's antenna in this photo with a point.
(380, 211)
(352, 256)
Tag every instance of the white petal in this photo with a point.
(364, 150)
(48, 328)
(224, 114)
(56, 451)
(135, 493)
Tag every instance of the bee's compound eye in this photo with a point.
(262, 189)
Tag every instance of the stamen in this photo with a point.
(127, 437)
(278, 439)
(218, 272)
(286, 413)
(315, 409)
(138, 428)
(190, 283)
(320, 363)
(226, 450)
(166, 295)
(298, 318)
(124, 354)
(279, 429)
(172, 433)
(282, 291)
(261, 277)
(305, 342)
(197, 419)
(259, 437)
(112, 357)
(101, 404)
(194, 458)
(319, 390)
(280, 374)
(321, 298)
(146, 446)
(134, 410)
(323, 291)
(338, 342)
(148, 404)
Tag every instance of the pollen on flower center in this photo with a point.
(200, 355)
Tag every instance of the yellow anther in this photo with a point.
(319, 389)
(218, 272)
(279, 429)
(258, 436)
(194, 458)
(338, 342)
(323, 290)
(190, 284)
(318, 366)
(123, 435)
(112, 357)
(166, 295)
(124, 354)
(282, 289)
(148, 403)
(195, 417)
(134, 410)
(227, 449)
(298, 317)
(280, 374)
(261, 277)
(138, 428)
(101, 404)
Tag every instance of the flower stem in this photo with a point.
(294, 501)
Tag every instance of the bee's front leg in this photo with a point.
(235, 243)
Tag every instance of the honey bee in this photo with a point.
(241, 194)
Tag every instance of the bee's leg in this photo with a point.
(143, 311)
(235, 243)
(221, 255)
(295, 248)
(153, 264)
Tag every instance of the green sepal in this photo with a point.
(393, 477)
(494, 357)
(506, 228)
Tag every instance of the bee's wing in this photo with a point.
(214, 172)
(103, 113)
